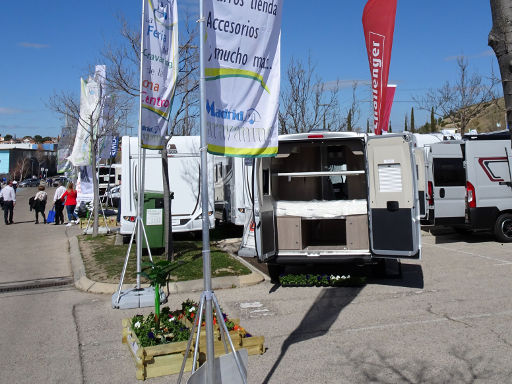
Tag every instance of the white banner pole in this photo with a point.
(141, 155)
(210, 354)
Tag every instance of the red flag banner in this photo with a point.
(386, 108)
(378, 26)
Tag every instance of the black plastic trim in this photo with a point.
(483, 217)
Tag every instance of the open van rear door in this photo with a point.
(264, 210)
(393, 197)
(449, 184)
(421, 172)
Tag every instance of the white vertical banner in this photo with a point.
(84, 184)
(90, 111)
(242, 72)
(159, 66)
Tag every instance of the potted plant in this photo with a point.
(157, 274)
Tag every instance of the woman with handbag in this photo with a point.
(70, 203)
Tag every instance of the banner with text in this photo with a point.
(242, 71)
(89, 112)
(378, 26)
(159, 66)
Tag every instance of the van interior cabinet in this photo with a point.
(289, 233)
(357, 232)
(320, 197)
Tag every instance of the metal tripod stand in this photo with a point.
(224, 334)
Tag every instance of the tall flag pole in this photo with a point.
(140, 161)
(158, 73)
(378, 26)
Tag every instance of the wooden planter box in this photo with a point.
(158, 360)
(166, 359)
(253, 344)
(111, 221)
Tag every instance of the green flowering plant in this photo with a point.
(322, 280)
(168, 330)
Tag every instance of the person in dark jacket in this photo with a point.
(40, 203)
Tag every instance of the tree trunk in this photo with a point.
(95, 200)
(169, 249)
(500, 40)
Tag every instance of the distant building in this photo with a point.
(20, 161)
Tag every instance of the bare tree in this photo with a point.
(307, 103)
(102, 122)
(500, 40)
(21, 168)
(463, 100)
(354, 112)
(124, 60)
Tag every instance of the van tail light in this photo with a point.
(430, 191)
(470, 193)
(131, 219)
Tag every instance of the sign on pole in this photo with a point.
(242, 72)
(378, 25)
(159, 66)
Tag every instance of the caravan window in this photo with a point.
(449, 172)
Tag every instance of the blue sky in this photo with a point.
(48, 45)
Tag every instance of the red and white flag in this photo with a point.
(378, 26)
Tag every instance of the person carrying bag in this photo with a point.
(40, 203)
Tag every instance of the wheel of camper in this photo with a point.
(274, 271)
(503, 228)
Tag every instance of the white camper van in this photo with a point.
(472, 183)
(335, 196)
(233, 189)
(184, 179)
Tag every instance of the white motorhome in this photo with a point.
(184, 178)
(331, 197)
(108, 177)
(233, 189)
(472, 186)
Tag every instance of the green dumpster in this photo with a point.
(154, 219)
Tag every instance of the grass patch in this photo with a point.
(104, 261)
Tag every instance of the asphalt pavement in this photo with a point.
(447, 320)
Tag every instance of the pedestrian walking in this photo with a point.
(15, 185)
(40, 203)
(9, 201)
(58, 204)
(70, 203)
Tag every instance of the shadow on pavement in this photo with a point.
(23, 222)
(412, 277)
(318, 320)
(467, 366)
(450, 235)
